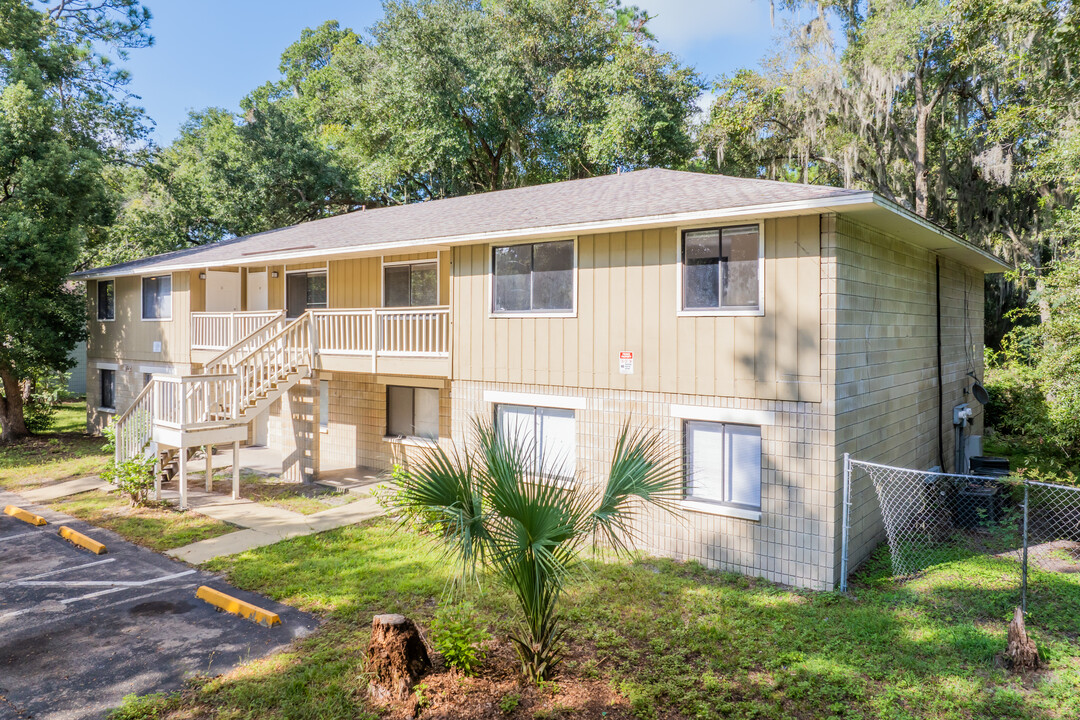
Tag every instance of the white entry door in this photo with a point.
(222, 291)
(258, 296)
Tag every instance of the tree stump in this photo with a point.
(396, 657)
(1022, 653)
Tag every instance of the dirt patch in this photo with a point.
(1062, 556)
(498, 691)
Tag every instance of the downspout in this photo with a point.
(940, 389)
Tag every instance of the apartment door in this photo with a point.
(258, 293)
(222, 291)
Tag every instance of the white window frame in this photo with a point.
(97, 299)
(142, 309)
(729, 416)
(428, 261)
(563, 480)
(759, 311)
(492, 313)
(413, 439)
(325, 270)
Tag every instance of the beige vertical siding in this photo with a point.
(129, 337)
(882, 332)
(627, 301)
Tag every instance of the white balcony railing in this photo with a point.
(220, 330)
(404, 332)
(389, 332)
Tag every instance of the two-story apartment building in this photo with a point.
(767, 328)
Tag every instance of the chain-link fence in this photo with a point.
(931, 518)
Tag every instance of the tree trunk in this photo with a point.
(12, 422)
(1022, 653)
(396, 657)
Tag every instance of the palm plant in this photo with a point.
(496, 507)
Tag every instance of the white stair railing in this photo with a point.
(225, 361)
(135, 426)
(264, 368)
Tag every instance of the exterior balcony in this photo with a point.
(398, 341)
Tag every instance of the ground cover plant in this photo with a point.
(651, 638)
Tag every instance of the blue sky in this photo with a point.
(213, 52)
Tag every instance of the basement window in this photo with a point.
(412, 412)
(721, 269)
(106, 300)
(546, 434)
(107, 378)
(723, 463)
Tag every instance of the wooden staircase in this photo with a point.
(173, 415)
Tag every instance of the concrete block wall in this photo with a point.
(793, 541)
(356, 432)
(128, 384)
(356, 428)
(882, 336)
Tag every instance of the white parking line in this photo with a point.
(16, 535)
(56, 572)
(96, 608)
(142, 583)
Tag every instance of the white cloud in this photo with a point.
(681, 24)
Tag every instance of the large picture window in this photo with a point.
(721, 269)
(305, 291)
(723, 463)
(411, 284)
(157, 298)
(534, 278)
(548, 434)
(412, 412)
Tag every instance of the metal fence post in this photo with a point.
(1024, 565)
(846, 521)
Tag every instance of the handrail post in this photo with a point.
(376, 339)
(1024, 566)
(313, 338)
(846, 528)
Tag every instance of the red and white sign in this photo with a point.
(626, 363)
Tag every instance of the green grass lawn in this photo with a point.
(64, 453)
(158, 528)
(658, 639)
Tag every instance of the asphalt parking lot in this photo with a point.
(79, 631)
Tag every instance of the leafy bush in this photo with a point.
(135, 477)
(1017, 405)
(39, 410)
(459, 636)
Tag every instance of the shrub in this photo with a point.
(134, 477)
(458, 634)
(1017, 405)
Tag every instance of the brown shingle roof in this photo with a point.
(643, 193)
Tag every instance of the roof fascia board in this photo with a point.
(838, 204)
(953, 241)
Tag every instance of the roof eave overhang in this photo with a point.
(876, 211)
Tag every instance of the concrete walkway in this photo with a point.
(48, 493)
(262, 525)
